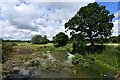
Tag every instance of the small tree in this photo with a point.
(91, 22)
(38, 39)
(44, 40)
(60, 39)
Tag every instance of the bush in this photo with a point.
(84, 61)
(7, 48)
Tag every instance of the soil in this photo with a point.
(22, 51)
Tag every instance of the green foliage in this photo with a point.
(107, 60)
(34, 63)
(118, 38)
(115, 39)
(60, 39)
(97, 49)
(79, 44)
(91, 22)
(7, 48)
(38, 39)
(84, 61)
(118, 55)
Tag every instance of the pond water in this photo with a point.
(63, 73)
(70, 56)
(50, 67)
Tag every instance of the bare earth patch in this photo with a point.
(22, 51)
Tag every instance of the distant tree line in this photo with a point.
(17, 41)
(114, 39)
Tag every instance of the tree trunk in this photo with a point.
(92, 43)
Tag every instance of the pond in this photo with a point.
(48, 66)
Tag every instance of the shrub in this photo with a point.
(7, 47)
(84, 61)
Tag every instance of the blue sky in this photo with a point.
(23, 19)
(114, 8)
(111, 6)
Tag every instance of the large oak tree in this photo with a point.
(91, 22)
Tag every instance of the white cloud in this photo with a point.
(21, 16)
(116, 27)
(23, 20)
(12, 32)
(48, 0)
(117, 14)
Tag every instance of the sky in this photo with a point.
(22, 19)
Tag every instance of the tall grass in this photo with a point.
(109, 57)
(106, 61)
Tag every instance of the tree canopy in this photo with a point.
(38, 39)
(60, 39)
(91, 22)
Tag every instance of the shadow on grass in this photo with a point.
(88, 49)
(97, 49)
